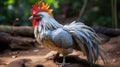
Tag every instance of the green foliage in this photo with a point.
(98, 12)
(103, 21)
(12, 9)
(54, 3)
(9, 2)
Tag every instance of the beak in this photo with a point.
(31, 17)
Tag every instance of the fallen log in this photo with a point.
(16, 42)
(25, 31)
(107, 31)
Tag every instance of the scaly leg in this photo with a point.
(63, 62)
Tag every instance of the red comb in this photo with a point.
(41, 7)
(36, 8)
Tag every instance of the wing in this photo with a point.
(58, 40)
(61, 38)
(87, 41)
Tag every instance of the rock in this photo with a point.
(14, 56)
(36, 50)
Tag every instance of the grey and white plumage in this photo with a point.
(64, 38)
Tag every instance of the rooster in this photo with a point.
(65, 38)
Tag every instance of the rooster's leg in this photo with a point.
(56, 57)
(63, 62)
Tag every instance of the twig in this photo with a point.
(82, 10)
(114, 13)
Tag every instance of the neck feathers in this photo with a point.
(49, 23)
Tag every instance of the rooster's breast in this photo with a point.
(57, 40)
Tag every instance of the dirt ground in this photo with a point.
(35, 57)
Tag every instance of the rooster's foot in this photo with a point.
(63, 62)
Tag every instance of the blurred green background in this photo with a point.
(97, 12)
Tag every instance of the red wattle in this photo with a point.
(34, 23)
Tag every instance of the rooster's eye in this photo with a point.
(37, 16)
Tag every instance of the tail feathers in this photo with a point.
(103, 55)
(87, 40)
(80, 44)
